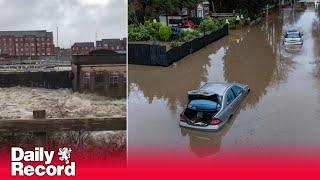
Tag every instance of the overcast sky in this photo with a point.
(78, 20)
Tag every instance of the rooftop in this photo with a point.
(83, 44)
(38, 33)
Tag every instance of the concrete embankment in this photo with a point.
(50, 80)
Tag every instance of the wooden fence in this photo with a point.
(156, 55)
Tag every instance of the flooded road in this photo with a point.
(282, 110)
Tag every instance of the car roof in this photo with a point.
(215, 88)
(292, 31)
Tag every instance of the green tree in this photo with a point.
(252, 7)
(145, 4)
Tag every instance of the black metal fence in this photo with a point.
(145, 54)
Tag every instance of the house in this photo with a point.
(82, 48)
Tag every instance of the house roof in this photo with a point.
(38, 33)
(84, 44)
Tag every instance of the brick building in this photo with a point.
(82, 48)
(112, 44)
(26, 43)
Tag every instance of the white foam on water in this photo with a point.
(19, 103)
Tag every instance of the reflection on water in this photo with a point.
(270, 115)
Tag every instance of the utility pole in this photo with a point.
(57, 36)
(58, 49)
(96, 38)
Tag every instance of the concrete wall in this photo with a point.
(97, 64)
(50, 80)
(102, 86)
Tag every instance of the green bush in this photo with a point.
(208, 24)
(153, 28)
(165, 33)
(186, 33)
(232, 22)
(217, 25)
(158, 31)
(138, 33)
(189, 35)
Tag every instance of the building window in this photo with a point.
(113, 79)
(86, 80)
(99, 79)
(125, 78)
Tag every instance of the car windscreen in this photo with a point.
(215, 98)
(293, 35)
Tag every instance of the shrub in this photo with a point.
(153, 28)
(189, 35)
(138, 33)
(206, 24)
(165, 33)
(186, 32)
(232, 22)
(216, 25)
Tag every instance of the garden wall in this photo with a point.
(145, 54)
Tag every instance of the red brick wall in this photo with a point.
(26, 46)
(81, 50)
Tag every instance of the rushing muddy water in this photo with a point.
(281, 111)
(19, 103)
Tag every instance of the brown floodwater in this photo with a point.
(281, 111)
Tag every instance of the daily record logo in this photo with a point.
(21, 158)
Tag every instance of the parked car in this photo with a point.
(212, 105)
(189, 25)
(293, 38)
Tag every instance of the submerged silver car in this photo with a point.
(212, 105)
(293, 38)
